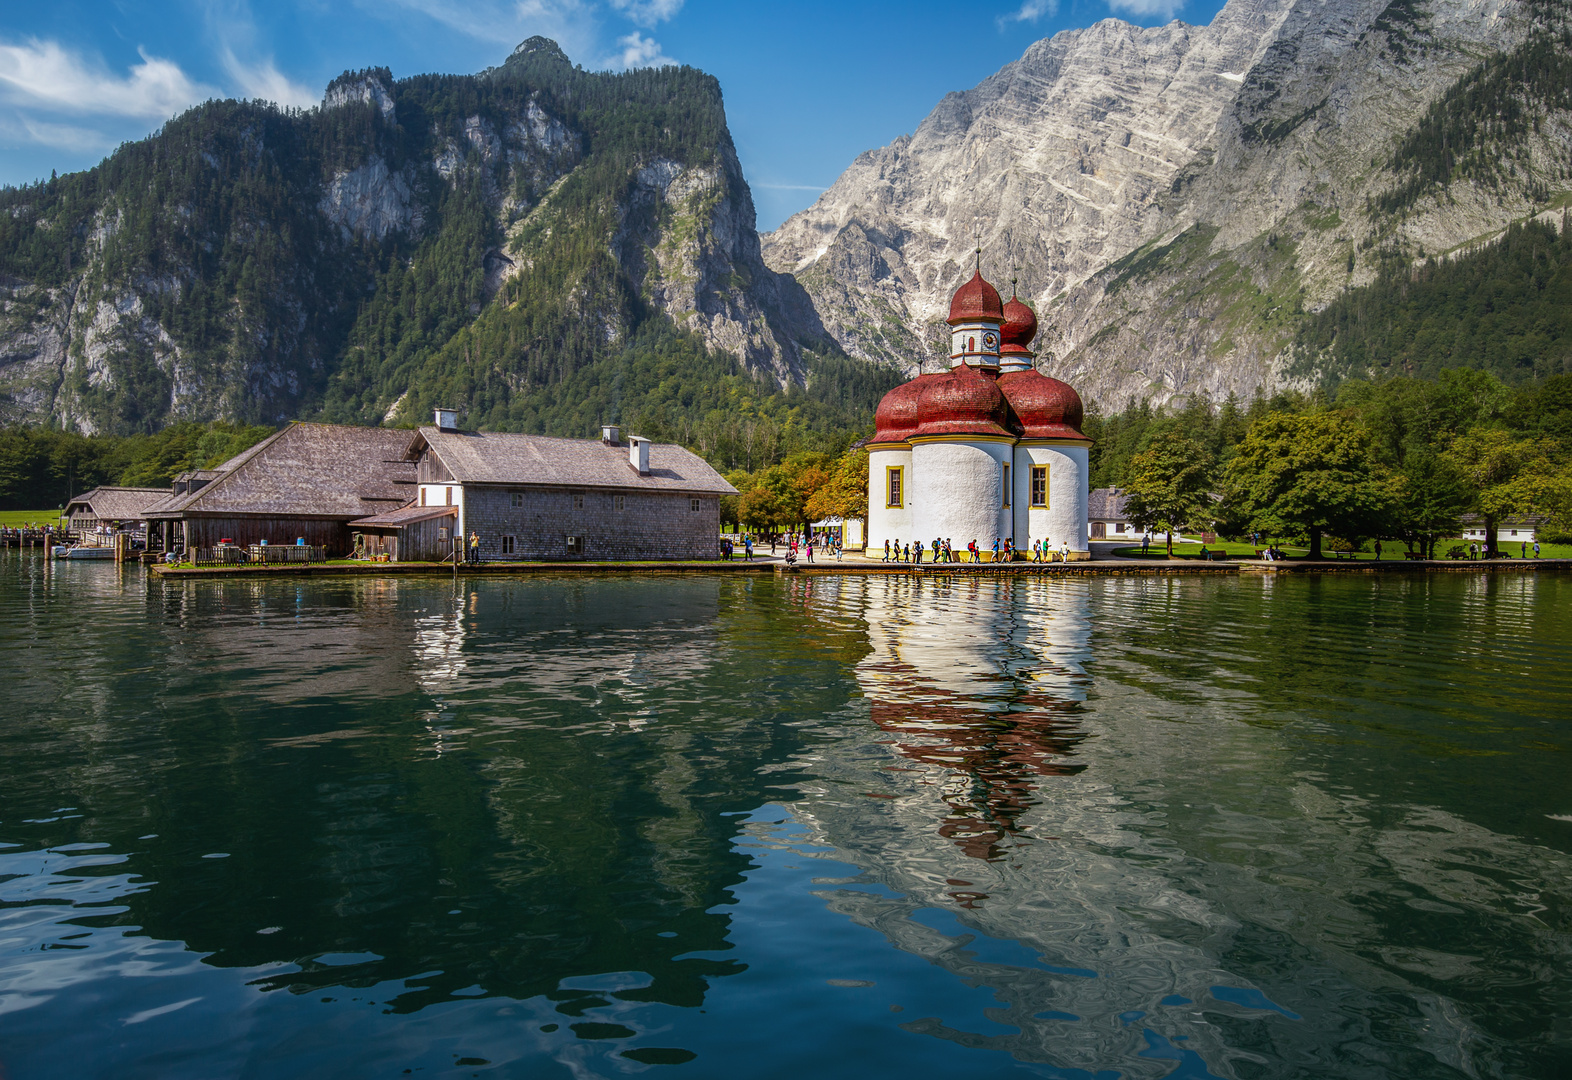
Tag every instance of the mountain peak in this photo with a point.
(540, 48)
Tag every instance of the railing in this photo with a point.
(230, 555)
(286, 553)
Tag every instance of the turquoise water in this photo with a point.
(759, 827)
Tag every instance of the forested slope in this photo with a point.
(542, 247)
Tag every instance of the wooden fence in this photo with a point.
(229, 555)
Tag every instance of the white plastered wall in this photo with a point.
(958, 493)
(1064, 518)
(888, 522)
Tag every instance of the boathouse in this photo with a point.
(540, 497)
(309, 481)
(116, 508)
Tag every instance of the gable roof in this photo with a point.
(307, 470)
(474, 457)
(1106, 504)
(109, 503)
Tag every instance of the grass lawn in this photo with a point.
(16, 519)
(1390, 551)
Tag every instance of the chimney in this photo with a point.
(639, 454)
(610, 434)
(447, 419)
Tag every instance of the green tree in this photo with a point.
(1168, 487)
(1509, 475)
(1311, 473)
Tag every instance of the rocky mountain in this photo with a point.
(1175, 200)
(512, 243)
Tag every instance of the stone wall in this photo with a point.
(650, 525)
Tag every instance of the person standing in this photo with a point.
(808, 547)
(1378, 550)
(747, 548)
(474, 547)
(1525, 549)
(886, 550)
(1536, 548)
(1146, 542)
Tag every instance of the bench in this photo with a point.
(1346, 553)
(1413, 555)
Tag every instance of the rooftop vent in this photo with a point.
(639, 454)
(447, 419)
(610, 434)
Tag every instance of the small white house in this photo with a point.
(1508, 531)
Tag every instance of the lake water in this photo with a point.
(1298, 826)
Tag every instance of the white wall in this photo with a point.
(888, 523)
(958, 494)
(439, 495)
(1064, 519)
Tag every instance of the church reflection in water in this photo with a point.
(977, 686)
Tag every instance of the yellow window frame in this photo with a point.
(1039, 472)
(894, 487)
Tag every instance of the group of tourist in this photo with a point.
(942, 551)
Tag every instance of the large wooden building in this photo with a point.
(309, 481)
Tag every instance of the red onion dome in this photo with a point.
(1020, 326)
(976, 300)
(1046, 408)
(963, 401)
(896, 417)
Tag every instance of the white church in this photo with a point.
(991, 448)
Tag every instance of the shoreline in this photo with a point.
(1090, 568)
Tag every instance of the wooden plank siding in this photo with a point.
(206, 532)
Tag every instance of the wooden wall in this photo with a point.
(207, 532)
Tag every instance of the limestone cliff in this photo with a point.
(1176, 197)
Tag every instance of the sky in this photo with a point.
(808, 85)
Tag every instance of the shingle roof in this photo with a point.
(497, 458)
(1106, 504)
(407, 515)
(117, 503)
(307, 470)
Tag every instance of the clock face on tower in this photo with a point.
(990, 341)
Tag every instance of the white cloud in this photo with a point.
(1030, 11)
(265, 82)
(639, 51)
(647, 13)
(43, 74)
(1146, 9)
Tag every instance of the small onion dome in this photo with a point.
(963, 401)
(1020, 326)
(1046, 408)
(976, 300)
(896, 417)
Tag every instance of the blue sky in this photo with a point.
(808, 85)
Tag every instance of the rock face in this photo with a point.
(1174, 197)
(255, 265)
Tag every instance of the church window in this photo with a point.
(893, 487)
(1040, 485)
(1006, 485)
(971, 344)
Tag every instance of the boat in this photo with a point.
(82, 552)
